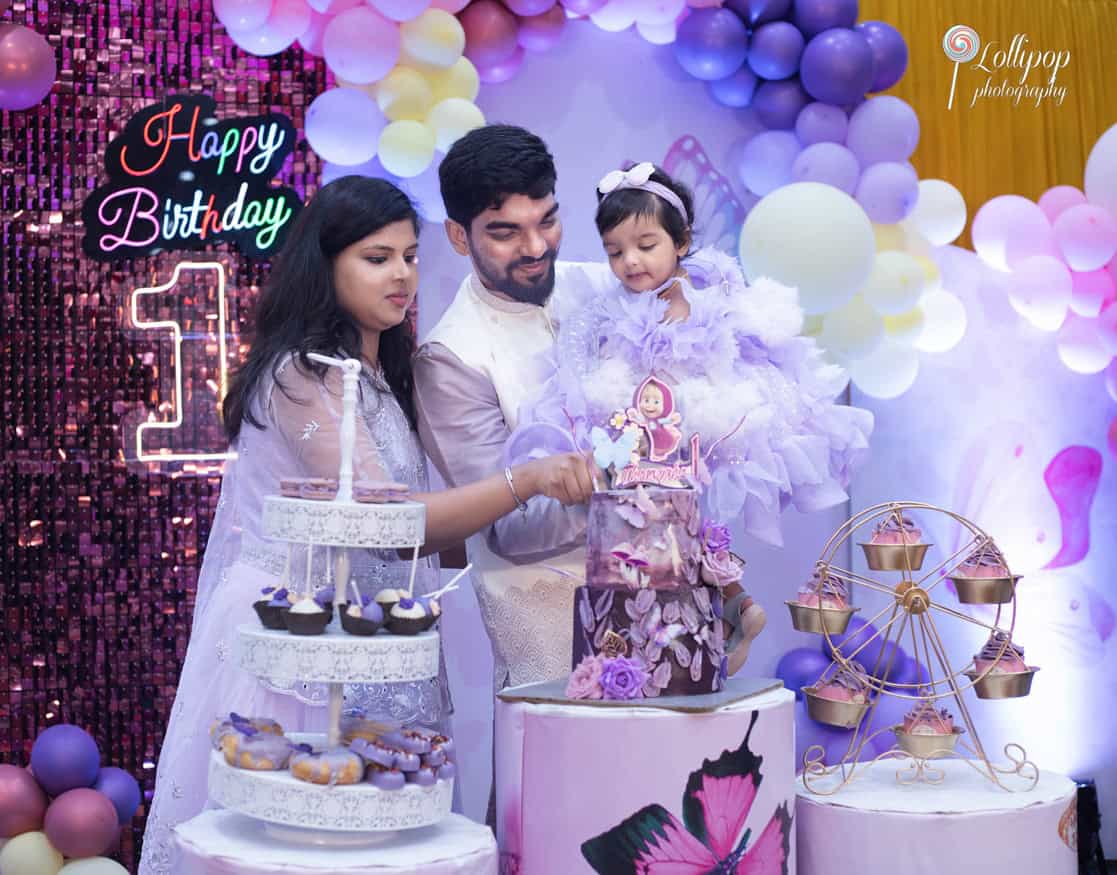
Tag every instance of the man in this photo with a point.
(488, 352)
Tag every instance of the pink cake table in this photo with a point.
(226, 843)
(568, 774)
(963, 826)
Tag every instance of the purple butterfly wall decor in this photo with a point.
(711, 839)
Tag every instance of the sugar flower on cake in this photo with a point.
(984, 561)
(585, 680)
(622, 678)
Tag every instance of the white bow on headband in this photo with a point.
(640, 178)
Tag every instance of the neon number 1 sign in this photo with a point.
(189, 311)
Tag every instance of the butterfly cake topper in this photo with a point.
(642, 443)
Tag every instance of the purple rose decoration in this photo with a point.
(715, 537)
(622, 678)
(720, 569)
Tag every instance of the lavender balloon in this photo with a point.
(711, 43)
(529, 7)
(888, 192)
(812, 17)
(65, 757)
(767, 159)
(122, 790)
(883, 128)
(583, 7)
(775, 50)
(837, 66)
(371, 168)
(756, 12)
(81, 823)
(734, 91)
(22, 801)
(540, 33)
(502, 71)
(801, 667)
(778, 104)
(828, 163)
(890, 53)
(343, 125)
(821, 123)
(27, 67)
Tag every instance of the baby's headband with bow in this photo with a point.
(640, 178)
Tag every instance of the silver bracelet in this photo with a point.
(515, 495)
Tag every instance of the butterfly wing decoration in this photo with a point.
(607, 451)
(718, 214)
(712, 838)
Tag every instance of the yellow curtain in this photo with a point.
(994, 147)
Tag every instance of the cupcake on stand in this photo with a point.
(999, 670)
(840, 700)
(822, 604)
(896, 545)
(927, 731)
(983, 577)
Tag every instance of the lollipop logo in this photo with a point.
(961, 43)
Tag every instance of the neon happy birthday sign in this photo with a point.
(181, 179)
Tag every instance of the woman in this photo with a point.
(342, 287)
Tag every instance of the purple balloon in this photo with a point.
(876, 654)
(756, 12)
(776, 49)
(502, 71)
(890, 53)
(887, 192)
(65, 757)
(583, 7)
(372, 167)
(734, 91)
(529, 7)
(778, 104)
(837, 66)
(81, 823)
(821, 123)
(711, 44)
(883, 128)
(540, 33)
(122, 790)
(766, 161)
(814, 16)
(801, 667)
(829, 163)
(28, 67)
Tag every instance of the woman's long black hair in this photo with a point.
(298, 308)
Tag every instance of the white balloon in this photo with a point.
(813, 237)
(30, 853)
(1101, 172)
(888, 372)
(896, 283)
(1004, 217)
(1081, 347)
(905, 328)
(944, 322)
(853, 331)
(93, 866)
(940, 212)
(616, 15)
(659, 12)
(657, 34)
(1040, 291)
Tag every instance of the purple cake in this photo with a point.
(649, 598)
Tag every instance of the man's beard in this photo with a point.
(499, 279)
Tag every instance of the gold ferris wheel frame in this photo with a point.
(911, 610)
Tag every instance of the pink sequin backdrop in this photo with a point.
(99, 558)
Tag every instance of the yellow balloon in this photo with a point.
(906, 327)
(404, 94)
(436, 37)
(852, 331)
(933, 277)
(451, 119)
(895, 284)
(889, 237)
(406, 148)
(460, 79)
(30, 853)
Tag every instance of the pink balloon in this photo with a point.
(1087, 236)
(504, 70)
(1091, 291)
(400, 10)
(311, 39)
(22, 802)
(289, 18)
(527, 8)
(361, 45)
(1107, 327)
(451, 6)
(81, 823)
(583, 7)
(1001, 218)
(1030, 238)
(333, 7)
(1055, 200)
(540, 33)
(242, 15)
(27, 67)
(490, 33)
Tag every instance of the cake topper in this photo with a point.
(649, 435)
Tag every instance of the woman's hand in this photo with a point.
(567, 477)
